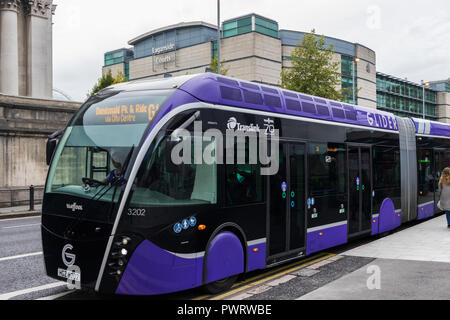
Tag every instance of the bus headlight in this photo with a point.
(119, 252)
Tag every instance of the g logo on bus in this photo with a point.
(68, 258)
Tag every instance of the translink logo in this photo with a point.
(233, 124)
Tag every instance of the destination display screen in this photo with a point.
(124, 108)
(127, 113)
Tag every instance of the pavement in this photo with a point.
(20, 211)
(413, 264)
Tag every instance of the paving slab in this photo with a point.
(412, 264)
(385, 279)
(427, 241)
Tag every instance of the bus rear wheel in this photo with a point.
(220, 285)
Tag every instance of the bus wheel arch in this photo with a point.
(225, 257)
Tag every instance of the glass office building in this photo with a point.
(405, 98)
(254, 48)
(120, 57)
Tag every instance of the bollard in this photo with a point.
(31, 198)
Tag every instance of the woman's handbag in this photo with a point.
(439, 205)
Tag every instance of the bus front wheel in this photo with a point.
(220, 285)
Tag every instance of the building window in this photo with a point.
(347, 78)
(245, 25)
(236, 27)
(405, 98)
(266, 27)
(214, 49)
(113, 58)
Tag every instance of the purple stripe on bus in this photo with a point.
(431, 127)
(425, 211)
(152, 270)
(225, 257)
(388, 219)
(206, 87)
(326, 238)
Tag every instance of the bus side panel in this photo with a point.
(152, 270)
(375, 224)
(425, 211)
(326, 238)
(256, 255)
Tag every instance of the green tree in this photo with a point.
(213, 66)
(107, 80)
(313, 70)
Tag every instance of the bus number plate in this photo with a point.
(63, 273)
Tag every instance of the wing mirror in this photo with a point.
(52, 142)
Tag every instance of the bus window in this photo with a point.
(161, 183)
(326, 169)
(425, 179)
(244, 184)
(386, 176)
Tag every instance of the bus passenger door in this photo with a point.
(286, 223)
(360, 190)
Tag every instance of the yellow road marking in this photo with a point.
(279, 269)
(275, 274)
(202, 297)
(265, 274)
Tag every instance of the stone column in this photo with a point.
(39, 45)
(9, 47)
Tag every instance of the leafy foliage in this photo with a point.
(213, 66)
(313, 70)
(107, 80)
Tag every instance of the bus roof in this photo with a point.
(221, 90)
(217, 89)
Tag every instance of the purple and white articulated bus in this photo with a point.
(120, 216)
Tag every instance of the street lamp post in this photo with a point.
(356, 60)
(424, 84)
(218, 36)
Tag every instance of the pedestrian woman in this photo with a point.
(444, 186)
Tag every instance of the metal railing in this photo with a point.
(13, 197)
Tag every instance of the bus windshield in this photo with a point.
(96, 148)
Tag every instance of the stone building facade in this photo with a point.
(26, 48)
(25, 124)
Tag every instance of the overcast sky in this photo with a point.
(410, 37)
